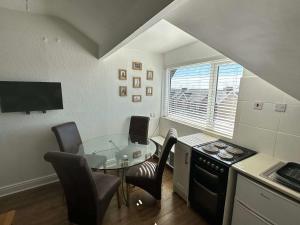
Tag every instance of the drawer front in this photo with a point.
(243, 216)
(266, 203)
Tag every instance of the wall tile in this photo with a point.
(266, 118)
(287, 147)
(258, 139)
(255, 89)
(290, 120)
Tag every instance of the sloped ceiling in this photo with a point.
(106, 22)
(161, 38)
(263, 36)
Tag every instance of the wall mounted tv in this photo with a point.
(30, 96)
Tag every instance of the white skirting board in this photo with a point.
(28, 184)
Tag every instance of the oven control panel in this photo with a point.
(210, 163)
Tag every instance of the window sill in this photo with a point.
(201, 129)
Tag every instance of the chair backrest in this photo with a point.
(78, 184)
(68, 137)
(138, 129)
(169, 142)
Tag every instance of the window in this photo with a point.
(204, 95)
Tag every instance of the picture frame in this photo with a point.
(122, 74)
(136, 98)
(122, 91)
(136, 82)
(149, 91)
(137, 66)
(150, 74)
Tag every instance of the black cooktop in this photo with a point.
(224, 152)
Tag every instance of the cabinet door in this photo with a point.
(181, 169)
(243, 216)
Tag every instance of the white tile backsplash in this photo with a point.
(290, 120)
(266, 118)
(253, 88)
(267, 131)
(261, 140)
(287, 147)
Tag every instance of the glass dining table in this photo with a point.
(117, 152)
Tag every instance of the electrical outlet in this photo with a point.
(258, 105)
(280, 107)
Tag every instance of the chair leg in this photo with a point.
(118, 198)
(158, 202)
(128, 196)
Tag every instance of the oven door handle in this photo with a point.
(206, 173)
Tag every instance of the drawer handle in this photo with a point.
(264, 196)
(186, 158)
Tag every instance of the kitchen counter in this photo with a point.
(258, 164)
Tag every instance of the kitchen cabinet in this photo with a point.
(181, 170)
(255, 202)
(243, 216)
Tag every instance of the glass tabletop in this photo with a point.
(116, 151)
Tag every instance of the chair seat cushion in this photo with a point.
(142, 175)
(106, 185)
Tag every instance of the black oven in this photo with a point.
(208, 183)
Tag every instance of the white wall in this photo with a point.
(90, 90)
(189, 54)
(267, 131)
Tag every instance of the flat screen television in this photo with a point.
(30, 96)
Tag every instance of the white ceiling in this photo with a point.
(160, 38)
(105, 22)
(263, 36)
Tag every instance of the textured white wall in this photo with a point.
(267, 131)
(189, 54)
(90, 90)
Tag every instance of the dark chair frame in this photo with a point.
(152, 183)
(87, 193)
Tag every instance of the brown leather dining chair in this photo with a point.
(68, 137)
(138, 129)
(88, 194)
(148, 175)
(69, 140)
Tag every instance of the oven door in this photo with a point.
(207, 192)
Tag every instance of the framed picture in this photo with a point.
(136, 82)
(136, 98)
(122, 74)
(149, 91)
(137, 66)
(150, 75)
(123, 91)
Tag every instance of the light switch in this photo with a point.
(280, 107)
(258, 105)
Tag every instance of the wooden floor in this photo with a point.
(45, 206)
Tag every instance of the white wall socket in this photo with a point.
(258, 105)
(280, 107)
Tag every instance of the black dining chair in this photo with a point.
(69, 141)
(148, 175)
(138, 129)
(88, 194)
(68, 137)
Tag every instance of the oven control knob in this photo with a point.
(217, 168)
(221, 170)
(200, 159)
(208, 163)
(204, 160)
(212, 165)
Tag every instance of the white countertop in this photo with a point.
(196, 139)
(258, 164)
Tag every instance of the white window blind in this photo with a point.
(204, 95)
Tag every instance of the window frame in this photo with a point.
(212, 95)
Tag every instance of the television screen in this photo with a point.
(30, 96)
